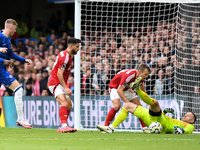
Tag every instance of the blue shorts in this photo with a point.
(5, 77)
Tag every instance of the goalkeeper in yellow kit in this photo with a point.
(154, 114)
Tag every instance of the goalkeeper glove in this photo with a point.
(169, 110)
(178, 130)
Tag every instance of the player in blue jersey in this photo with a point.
(6, 78)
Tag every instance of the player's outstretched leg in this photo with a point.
(24, 124)
(119, 119)
(153, 104)
(135, 85)
(146, 98)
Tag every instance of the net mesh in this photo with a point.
(122, 35)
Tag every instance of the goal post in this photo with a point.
(116, 35)
(77, 67)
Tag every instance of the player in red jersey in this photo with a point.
(58, 83)
(120, 87)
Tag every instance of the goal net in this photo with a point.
(119, 35)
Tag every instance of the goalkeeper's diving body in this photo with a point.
(154, 114)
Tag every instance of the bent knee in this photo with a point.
(126, 105)
(116, 104)
(117, 107)
(156, 103)
(130, 107)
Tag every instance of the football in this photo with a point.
(155, 127)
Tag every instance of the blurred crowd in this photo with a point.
(105, 52)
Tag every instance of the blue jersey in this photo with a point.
(5, 42)
(5, 77)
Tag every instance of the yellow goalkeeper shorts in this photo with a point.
(143, 113)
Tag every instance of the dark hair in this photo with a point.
(45, 89)
(194, 117)
(28, 82)
(154, 65)
(142, 67)
(73, 41)
(21, 72)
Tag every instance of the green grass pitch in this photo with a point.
(49, 139)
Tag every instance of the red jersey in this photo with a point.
(63, 61)
(123, 78)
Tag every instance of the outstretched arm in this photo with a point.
(188, 129)
(16, 57)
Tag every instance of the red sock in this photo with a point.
(63, 114)
(142, 123)
(110, 116)
(68, 112)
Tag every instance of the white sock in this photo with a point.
(110, 126)
(144, 128)
(18, 102)
(63, 125)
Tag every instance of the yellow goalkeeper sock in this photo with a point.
(120, 118)
(146, 98)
